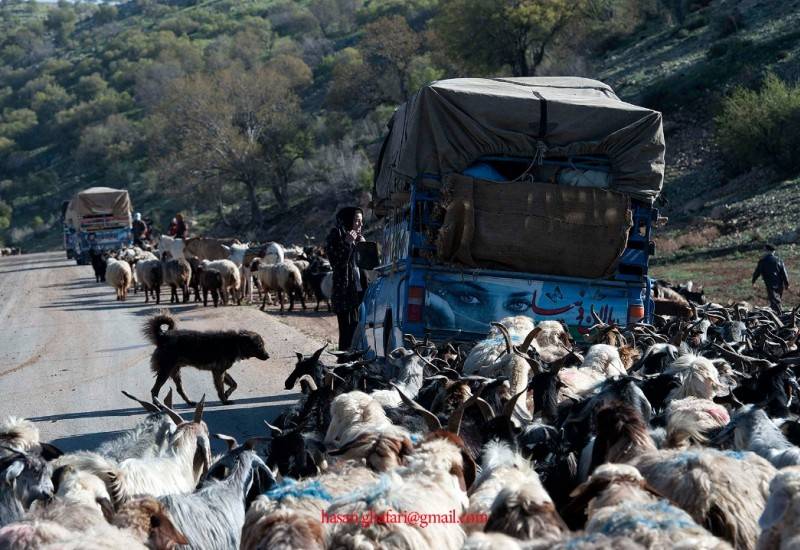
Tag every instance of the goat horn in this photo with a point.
(149, 407)
(174, 416)
(310, 381)
(168, 399)
(229, 441)
(529, 338)
(596, 317)
(508, 408)
(272, 428)
(501, 327)
(454, 422)
(430, 419)
(486, 409)
(198, 412)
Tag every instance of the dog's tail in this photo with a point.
(153, 327)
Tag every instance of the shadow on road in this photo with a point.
(211, 406)
(32, 269)
(240, 423)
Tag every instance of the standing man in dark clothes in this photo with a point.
(772, 270)
(349, 283)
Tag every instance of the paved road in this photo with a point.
(67, 348)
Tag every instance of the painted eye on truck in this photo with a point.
(469, 299)
(518, 306)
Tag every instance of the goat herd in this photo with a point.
(680, 434)
(224, 268)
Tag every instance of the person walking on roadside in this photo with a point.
(771, 269)
(349, 283)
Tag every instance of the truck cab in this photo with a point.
(549, 236)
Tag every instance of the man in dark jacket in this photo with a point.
(772, 270)
(349, 283)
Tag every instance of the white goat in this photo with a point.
(779, 524)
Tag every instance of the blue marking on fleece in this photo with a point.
(738, 455)
(368, 494)
(666, 517)
(291, 488)
(415, 438)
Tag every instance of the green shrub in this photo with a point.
(755, 128)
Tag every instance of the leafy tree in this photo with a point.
(486, 35)
(389, 44)
(61, 21)
(5, 215)
(89, 87)
(234, 125)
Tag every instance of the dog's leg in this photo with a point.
(176, 377)
(219, 385)
(232, 383)
(161, 379)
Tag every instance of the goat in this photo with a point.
(24, 479)
(98, 259)
(149, 273)
(212, 517)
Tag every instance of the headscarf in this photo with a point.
(346, 216)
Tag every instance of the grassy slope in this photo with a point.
(716, 225)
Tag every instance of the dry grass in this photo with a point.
(701, 238)
(728, 278)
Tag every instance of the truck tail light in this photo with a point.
(416, 301)
(635, 313)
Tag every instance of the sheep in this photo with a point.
(24, 479)
(82, 488)
(281, 530)
(281, 277)
(723, 492)
(140, 524)
(433, 482)
(213, 516)
(231, 278)
(778, 522)
(176, 273)
(149, 274)
(119, 277)
(619, 503)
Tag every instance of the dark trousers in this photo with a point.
(774, 296)
(348, 320)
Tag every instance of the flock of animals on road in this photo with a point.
(679, 434)
(226, 269)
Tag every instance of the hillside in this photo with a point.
(142, 93)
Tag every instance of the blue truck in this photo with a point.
(517, 196)
(100, 219)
